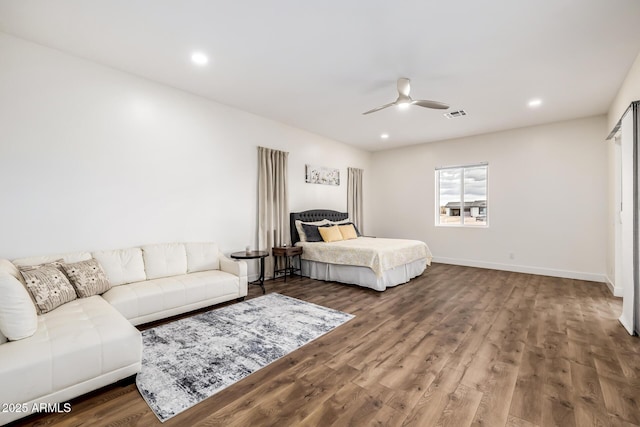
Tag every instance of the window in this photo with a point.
(461, 195)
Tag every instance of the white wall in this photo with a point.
(94, 158)
(629, 91)
(547, 199)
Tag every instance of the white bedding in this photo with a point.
(378, 254)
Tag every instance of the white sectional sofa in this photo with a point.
(91, 342)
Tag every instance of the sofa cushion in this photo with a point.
(164, 260)
(77, 342)
(37, 260)
(137, 300)
(18, 318)
(48, 286)
(202, 257)
(87, 277)
(7, 267)
(122, 265)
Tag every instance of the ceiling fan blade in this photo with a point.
(431, 104)
(380, 108)
(404, 86)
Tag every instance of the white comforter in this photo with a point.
(376, 253)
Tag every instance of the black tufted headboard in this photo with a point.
(310, 216)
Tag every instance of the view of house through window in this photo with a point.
(461, 195)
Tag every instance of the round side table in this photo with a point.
(261, 255)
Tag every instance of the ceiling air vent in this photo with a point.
(455, 114)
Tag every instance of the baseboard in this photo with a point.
(615, 291)
(566, 274)
(623, 321)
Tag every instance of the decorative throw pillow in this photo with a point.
(57, 264)
(87, 277)
(311, 232)
(348, 231)
(347, 222)
(330, 234)
(298, 223)
(48, 286)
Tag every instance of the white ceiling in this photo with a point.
(319, 65)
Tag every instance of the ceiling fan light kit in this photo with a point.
(404, 100)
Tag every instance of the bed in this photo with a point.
(370, 262)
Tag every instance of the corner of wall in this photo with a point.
(615, 291)
(629, 91)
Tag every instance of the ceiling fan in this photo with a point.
(404, 100)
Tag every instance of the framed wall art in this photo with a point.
(322, 175)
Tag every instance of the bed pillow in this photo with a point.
(330, 234)
(348, 231)
(48, 286)
(303, 236)
(87, 277)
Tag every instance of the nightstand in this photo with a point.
(288, 252)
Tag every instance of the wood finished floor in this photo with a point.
(457, 346)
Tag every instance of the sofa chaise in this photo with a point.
(90, 341)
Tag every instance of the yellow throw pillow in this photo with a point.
(330, 234)
(348, 231)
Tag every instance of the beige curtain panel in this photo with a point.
(273, 202)
(354, 196)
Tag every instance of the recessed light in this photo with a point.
(199, 58)
(384, 136)
(535, 103)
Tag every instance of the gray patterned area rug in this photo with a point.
(188, 360)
